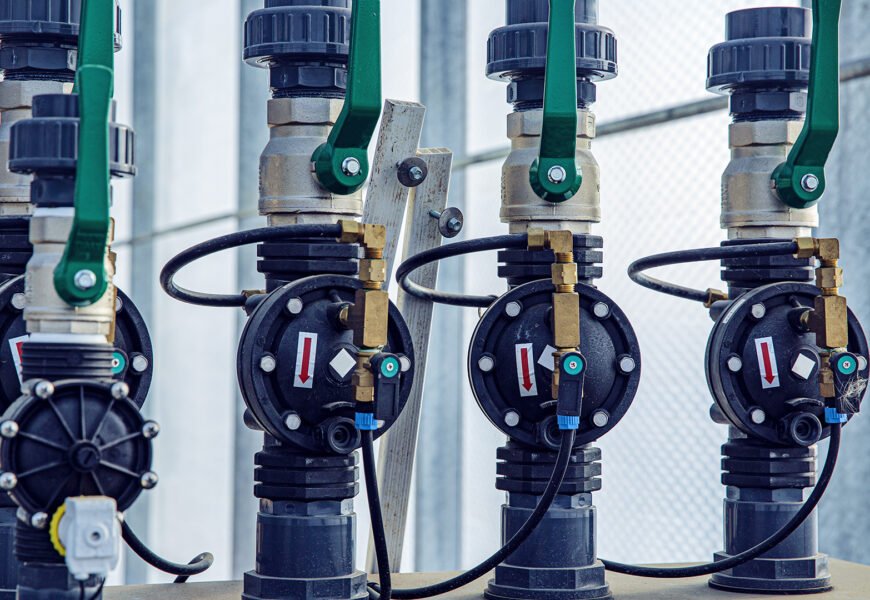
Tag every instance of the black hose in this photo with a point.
(738, 559)
(226, 242)
(637, 268)
(500, 242)
(377, 517)
(198, 565)
(546, 500)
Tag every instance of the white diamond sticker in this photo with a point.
(547, 361)
(343, 363)
(803, 366)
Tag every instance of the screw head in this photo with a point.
(513, 309)
(293, 421)
(85, 279)
(810, 182)
(627, 365)
(758, 311)
(150, 430)
(8, 481)
(39, 520)
(735, 364)
(557, 174)
(512, 418)
(600, 418)
(295, 306)
(43, 389)
(601, 310)
(757, 415)
(140, 363)
(148, 480)
(120, 390)
(454, 225)
(268, 363)
(9, 429)
(18, 301)
(486, 363)
(351, 166)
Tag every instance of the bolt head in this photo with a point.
(735, 364)
(295, 306)
(757, 415)
(601, 310)
(416, 173)
(140, 363)
(43, 389)
(9, 429)
(150, 429)
(293, 421)
(119, 304)
(512, 418)
(406, 363)
(454, 225)
(600, 418)
(268, 363)
(627, 365)
(39, 520)
(557, 174)
(486, 363)
(351, 167)
(148, 480)
(758, 311)
(8, 481)
(810, 182)
(85, 279)
(120, 390)
(18, 301)
(513, 309)
(862, 363)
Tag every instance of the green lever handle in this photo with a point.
(555, 175)
(80, 277)
(800, 180)
(341, 165)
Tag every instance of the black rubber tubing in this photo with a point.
(198, 565)
(377, 518)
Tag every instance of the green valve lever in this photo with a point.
(555, 175)
(80, 277)
(800, 180)
(342, 163)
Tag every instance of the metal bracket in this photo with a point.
(800, 180)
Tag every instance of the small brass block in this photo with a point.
(537, 239)
(829, 322)
(561, 242)
(373, 269)
(829, 249)
(374, 237)
(369, 318)
(566, 320)
(829, 277)
(350, 231)
(364, 394)
(826, 383)
(564, 273)
(806, 247)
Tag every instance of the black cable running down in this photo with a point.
(500, 242)
(226, 242)
(637, 268)
(198, 565)
(377, 517)
(546, 500)
(738, 559)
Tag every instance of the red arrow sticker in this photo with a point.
(526, 370)
(16, 347)
(306, 350)
(767, 363)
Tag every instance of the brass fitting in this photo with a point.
(363, 380)
(714, 296)
(368, 318)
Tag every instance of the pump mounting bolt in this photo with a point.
(601, 310)
(120, 390)
(9, 429)
(513, 309)
(758, 311)
(810, 183)
(351, 166)
(148, 480)
(735, 364)
(486, 363)
(557, 174)
(600, 418)
(39, 520)
(295, 306)
(85, 279)
(627, 365)
(18, 301)
(150, 430)
(43, 389)
(8, 481)
(268, 363)
(757, 415)
(140, 363)
(512, 418)
(293, 421)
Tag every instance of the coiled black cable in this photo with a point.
(546, 500)
(198, 565)
(377, 517)
(637, 268)
(738, 559)
(226, 242)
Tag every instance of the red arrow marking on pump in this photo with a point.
(768, 368)
(525, 370)
(306, 353)
(527, 378)
(767, 363)
(306, 357)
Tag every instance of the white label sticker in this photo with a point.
(526, 370)
(305, 352)
(15, 346)
(803, 366)
(547, 360)
(343, 363)
(767, 363)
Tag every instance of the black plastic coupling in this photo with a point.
(764, 64)
(305, 44)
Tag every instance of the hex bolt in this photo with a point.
(148, 480)
(513, 309)
(627, 365)
(406, 363)
(600, 418)
(601, 310)
(150, 430)
(85, 279)
(43, 389)
(268, 363)
(9, 429)
(412, 172)
(735, 363)
(757, 415)
(18, 301)
(512, 418)
(140, 363)
(293, 421)
(486, 363)
(810, 183)
(351, 166)
(758, 311)
(39, 520)
(557, 174)
(450, 221)
(120, 390)
(8, 481)
(295, 306)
